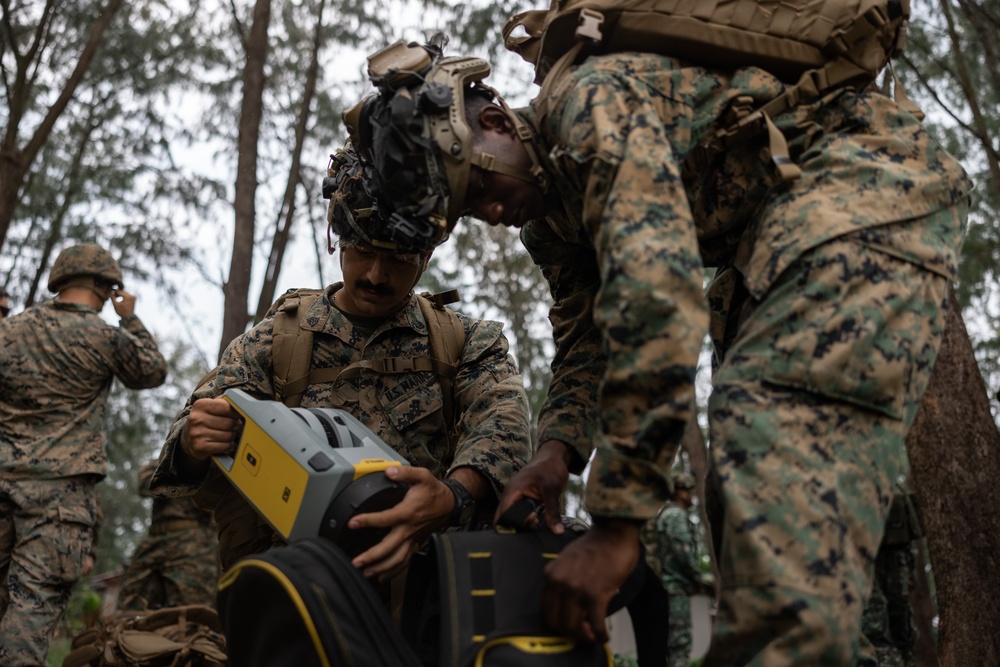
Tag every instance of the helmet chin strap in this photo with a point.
(536, 175)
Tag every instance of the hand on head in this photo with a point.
(123, 302)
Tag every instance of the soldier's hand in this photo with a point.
(123, 302)
(212, 427)
(588, 573)
(425, 508)
(543, 480)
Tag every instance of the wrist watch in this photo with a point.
(465, 504)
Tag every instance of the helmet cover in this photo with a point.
(85, 259)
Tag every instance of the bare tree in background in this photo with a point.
(237, 287)
(20, 87)
(284, 226)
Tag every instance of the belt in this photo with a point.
(161, 527)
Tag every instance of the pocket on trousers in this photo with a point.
(72, 541)
(856, 328)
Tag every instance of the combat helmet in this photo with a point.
(355, 214)
(682, 480)
(415, 135)
(85, 259)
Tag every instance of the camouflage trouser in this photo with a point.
(807, 419)
(679, 632)
(174, 569)
(46, 533)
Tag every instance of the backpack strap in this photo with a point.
(446, 335)
(292, 350)
(291, 345)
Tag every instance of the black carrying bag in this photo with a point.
(472, 600)
(476, 598)
(305, 605)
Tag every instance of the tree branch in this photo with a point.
(94, 40)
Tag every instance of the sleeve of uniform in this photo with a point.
(650, 307)
(494, 437)
(569, 412)
(246, 364)
(136, 359)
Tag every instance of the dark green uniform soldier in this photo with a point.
(371, 316)
(888, 617)
(826, 310)
(176, 563)
(673, 544)
(57, 363)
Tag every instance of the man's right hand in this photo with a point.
(543, 479)
(212, 427)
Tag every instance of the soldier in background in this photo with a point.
(57, 363)
(673, 545)
(888, 617)
(176, 563)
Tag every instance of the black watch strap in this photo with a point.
(465, 504)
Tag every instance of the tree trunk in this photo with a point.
(284, 229)
(16, 161)
(237, 287)
(954, 450)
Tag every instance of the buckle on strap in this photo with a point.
(589, 28)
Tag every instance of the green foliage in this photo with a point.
(625, 660)
(108, 172)
(58, 650)
(137, 423)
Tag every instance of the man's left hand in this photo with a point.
(588, 573)
(425, 508)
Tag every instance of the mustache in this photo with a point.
(381, 290)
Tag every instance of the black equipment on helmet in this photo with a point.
(415, 135)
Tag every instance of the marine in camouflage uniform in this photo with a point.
(57, 363)
(825, 312)
(176, 563)
(887, 621)
(675, 547)
(486, 443)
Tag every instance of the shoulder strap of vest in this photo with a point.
(292, 350)
(446, 335)
(291, 345)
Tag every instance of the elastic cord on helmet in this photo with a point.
(537, 174)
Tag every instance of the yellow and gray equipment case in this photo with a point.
(307, 471)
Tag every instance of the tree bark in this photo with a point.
(236, 290)
(954, 450)
(16, 161)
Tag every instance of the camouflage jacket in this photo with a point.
(675, 548)
(405, 410)
(170, 509)
(57, 363)
(624, 255)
